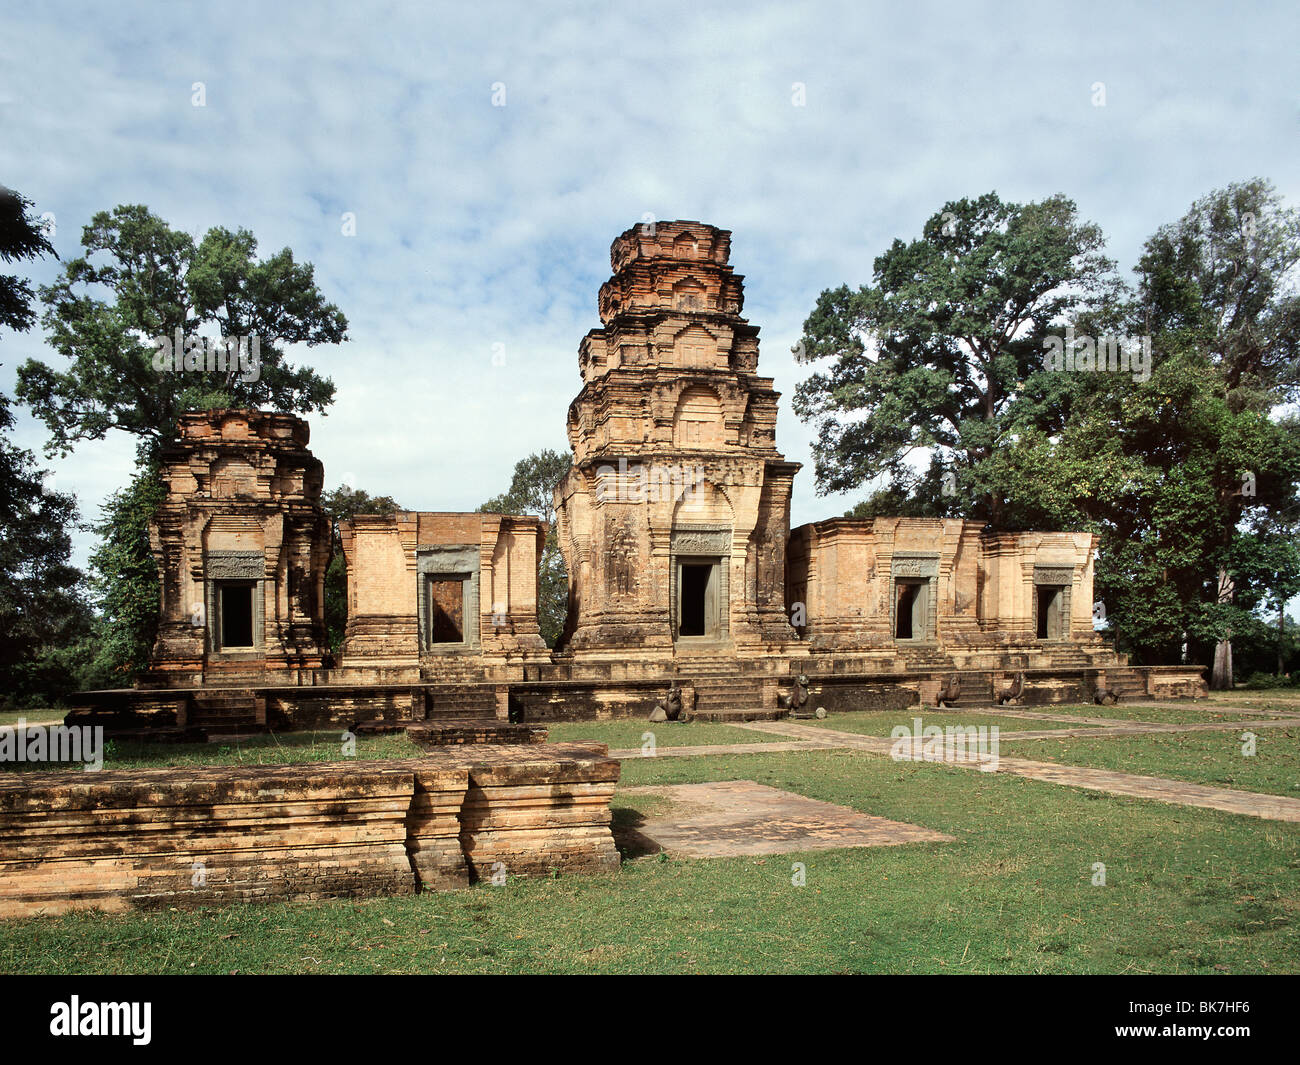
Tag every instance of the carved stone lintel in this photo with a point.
(235, 565)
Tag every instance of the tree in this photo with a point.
(1220, 281)
(531, 492)
(1174, 468)
(20, 238)
(1265, 564)
(340, 505)
(148, 283)
(138, 288)
(935, 354)
(124, 578)
(44, 617)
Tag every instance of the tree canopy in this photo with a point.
(934, 353)
(44, 617)
(138, 283)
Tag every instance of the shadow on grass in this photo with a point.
(626, 824)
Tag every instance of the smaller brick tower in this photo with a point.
(241, 545)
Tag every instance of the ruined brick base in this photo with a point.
(712, 689)
(215, 834)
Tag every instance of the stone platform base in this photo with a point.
(744, 690)
(449, 734)
(207, 835)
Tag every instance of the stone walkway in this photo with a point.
(724, 819)
(1160, 789)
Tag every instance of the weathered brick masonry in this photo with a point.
(214, 834)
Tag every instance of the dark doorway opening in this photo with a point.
(447, 611)
(911, 606)
(1051, 599)
(235, 606)
(695, 592)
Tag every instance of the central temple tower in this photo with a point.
(674, 519)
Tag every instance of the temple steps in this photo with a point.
(1126, 685)
(722, 715)
(732, 699)
(225, 712)
(976, 690)
(465, 701)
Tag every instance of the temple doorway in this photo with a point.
(911, 609)
(698, 586)
(1051, 612)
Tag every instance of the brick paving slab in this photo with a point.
(725, 819)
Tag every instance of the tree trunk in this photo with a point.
(1221, 674)
(1281, 635)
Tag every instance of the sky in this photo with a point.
(816, 132)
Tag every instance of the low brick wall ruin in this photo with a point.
(126, 839)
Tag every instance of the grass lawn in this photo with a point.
(282, 748)
(1187, 891)
(10, 717)
(1285, 699)
(625, 734)
(882, 722)
(1213, 758)
(1173, 713)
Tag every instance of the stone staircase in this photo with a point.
(925, 660)
(723, 693)
(976, 690)
(468, 702)
(224, 711)
(1129, 684)
(1068, 657)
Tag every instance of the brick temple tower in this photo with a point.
(241, 545)
(674, 519)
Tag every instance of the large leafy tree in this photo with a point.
(44, 618)
(1220, 282)
(531, 492)
(340, 504)
(1181, 473)
(934, 354)
(137, 280)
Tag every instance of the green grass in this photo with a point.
(882, 722)
(10, 717)
(283, 748)
(1213, 758)
(626, 734)
(1188, 891)
(1288, 701)
(1172, 713)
